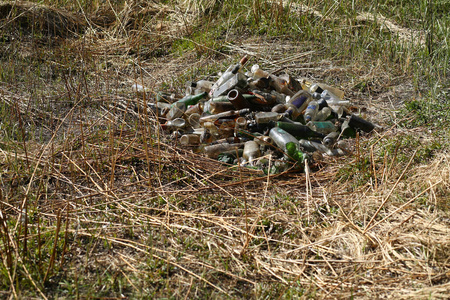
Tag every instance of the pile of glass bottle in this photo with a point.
(260, 120)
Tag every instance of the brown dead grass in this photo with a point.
(166, 221)
(33, 17)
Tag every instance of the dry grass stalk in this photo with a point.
(139, 205)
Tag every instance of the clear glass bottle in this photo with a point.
(227, 114)
(311, 111)
(178, 108)
(257, 72)
(190, 140)
(324, 127)
(320, 87)
(140, 90)
(265, 117)
(229, 73)
(312, 146)
(194, 120)
(251, 151)
(323, 114)
(332, 99)
(241, 124)
(330, 139)
(213, 151)
(287, 143)
(202, 86)
(238, 80)
(301, 99)
(175, 124)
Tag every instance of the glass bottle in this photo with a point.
(165, 97)
(194, 120)
(279, 108)
(251, 151)
(311, 111)
(312, 146)
(360, 123)
(215, 107)
(271, 98)
(287, 143)
(238, 100)
(299, 130)
(238, 80)
(330, 139)
(280, 85)
(301, 99)
(323, 114)
(194, 109)
(202, 86)
(213, 151)
(227, 114)
(230, 72)
(320, 87)
(257, 72)
(324, 127)
(346, 130)
(225, 127)
(266, 116)
(332, 99)
(178, 108)
(240, 124)
(291, 112)
(175, 124)
(140, 90)
(190, 140)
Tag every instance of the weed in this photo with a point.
(97, 202)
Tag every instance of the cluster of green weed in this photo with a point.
(333, 29)
(432, 112)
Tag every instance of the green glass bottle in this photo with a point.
(299, 130)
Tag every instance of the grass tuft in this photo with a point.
(96, 200)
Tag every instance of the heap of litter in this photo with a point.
(260, 120)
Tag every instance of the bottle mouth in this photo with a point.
(233, 95)
(244, 60)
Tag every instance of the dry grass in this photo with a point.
(40, 18)
(96, 200)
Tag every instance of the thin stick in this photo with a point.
(390, 192)
(244, 195)
(404, 205)
(55, 243)
(372, 158)
(308, 190)
(268, 181)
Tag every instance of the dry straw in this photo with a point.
(110, 193)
